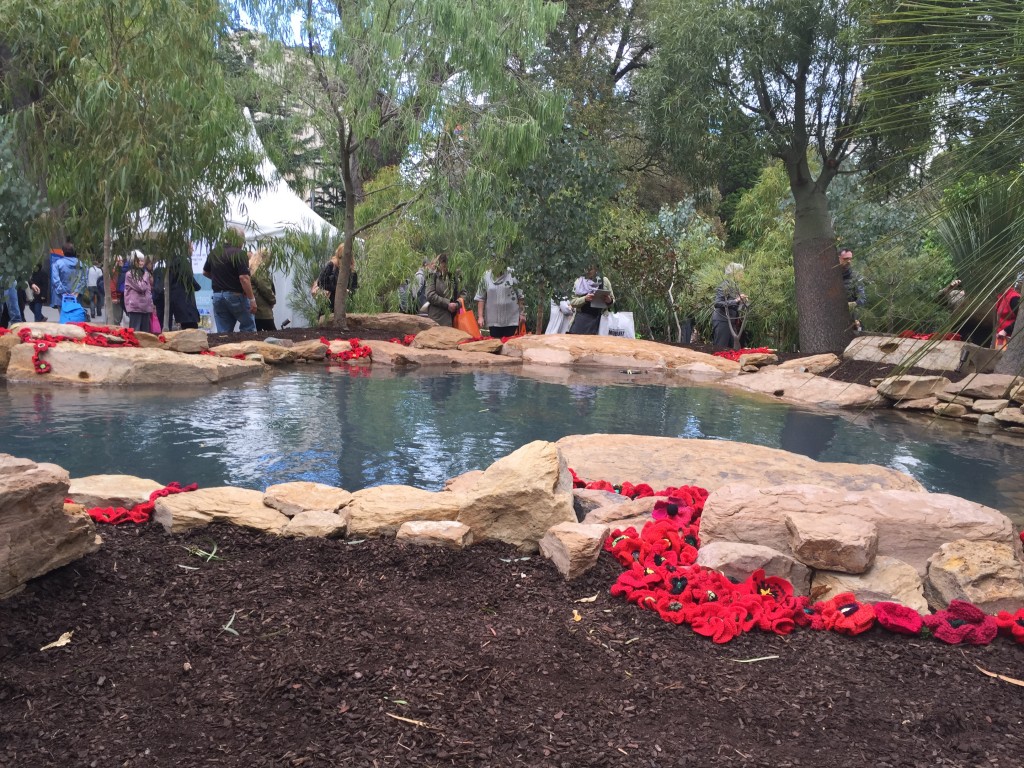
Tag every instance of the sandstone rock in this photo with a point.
(41, 330)
(816, 364)
(946, 397)
(440, 337)
(758, 359)
(383, 508)
(806, 388)
(292, 499)
(190, 341)
(7, 342)
(949, 410)
(832, 542)
(985, 386)
(585, 501)
(463, 482)
(892, 350)
(617, 353)
(520, 497)
(1017, 393)
(622, 514)
(738, 561)
(749, 369)
(875, 382)
(573, 547)
(36, 535)
(312, 350)
(487, 346)
(1010, 416)
(316, 523)
(888, 580)
(908, 387)
(237, 506)
(396, 324)
(911, 526)
(670, 461)
(272, 354)
(986, 573)
(988, 422)
(127, 366)
(111, 490)
(436, 533)
(989, 406)
(972, 418)
(287, 343)
(924, 404)
(148, 340)
(387, 354)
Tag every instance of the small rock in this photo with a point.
(1010, 416)
(989, 406)
(949, 410)
(749, 369)
(947, 397)
(292, 499)
(573, 547)
(435, 533)
(317, 523)
(832, 542)
(985, 573)
(924, 404)
(757, 359)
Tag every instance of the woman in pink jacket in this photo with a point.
(138, 293)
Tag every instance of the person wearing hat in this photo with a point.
(442, 293)
(592, 296)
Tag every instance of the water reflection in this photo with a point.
(367, 429)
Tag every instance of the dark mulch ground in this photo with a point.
(850, 371)
(334, 642)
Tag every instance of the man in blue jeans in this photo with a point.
(9, 298)
(227, 266)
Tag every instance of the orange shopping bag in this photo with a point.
(466, 321)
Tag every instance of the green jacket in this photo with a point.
(263, 290)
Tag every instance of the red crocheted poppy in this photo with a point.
(780, 618)
(625, 546)
(636, 579)
(601, 485)
(1012, 624)
(846, 615)
(670, 608)
(719, 621)
(674, 510)
(770, 588)
(898, 618)
(962, 623)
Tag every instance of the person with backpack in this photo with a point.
(442, 293)
(412, 294)
(69, 285)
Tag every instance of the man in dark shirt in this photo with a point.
(227, 266)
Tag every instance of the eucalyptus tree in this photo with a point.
(792, 67)
(20, 204)
(414, 75)
(134, 114)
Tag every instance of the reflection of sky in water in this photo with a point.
(417, 429)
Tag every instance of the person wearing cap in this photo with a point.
(442, 293)
(853, 285)
(591, 297)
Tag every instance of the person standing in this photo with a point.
(117, 290)
(95, 288)
(499, 302)
(227, 266)
(9, 306)
(1006, 315)
(39, 283)
(138, 293)
(726, 319)
(592, 296)
(68, 277)
(263, 287)
(442, 293)
(853, 286)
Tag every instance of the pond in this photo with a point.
(367, 427)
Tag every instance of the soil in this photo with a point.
(329, 653)
(849, 371)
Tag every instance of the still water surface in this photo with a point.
(356, 431)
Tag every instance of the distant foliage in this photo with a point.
(20, 204)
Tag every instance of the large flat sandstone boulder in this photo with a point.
(397, 355)
(617, 353)
(624, 513)
(489, 346)
(382, 509)
(111, 490)
(36, 535)
(573, 547)
(911, 526)
(738, 561)
(888, 580)
(190, 341)
(986, 573)
(7, 342)
(272, 354)
(295, 498)
(439, 337)
(126, 366)
(816, 364)
(985, 386)
(832, 542)
(909, 387)
(312, 350)
(520, 496)
(892, 350)
(435, 533)
(806, 388)
(670, 461)
(235, 506)
(42, 330)
(397, 324)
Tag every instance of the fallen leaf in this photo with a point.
(62, 640)
(997, 676)
(751, 661)
(576, 615)
(588, 599)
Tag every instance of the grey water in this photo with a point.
(361, 428)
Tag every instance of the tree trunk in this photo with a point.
(339, 320)
(108, 300)
(823, 318)
(1012, 359)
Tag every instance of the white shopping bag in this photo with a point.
(560, 319)
(618, 324)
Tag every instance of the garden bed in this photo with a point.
(325, 653)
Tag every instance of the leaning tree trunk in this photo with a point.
(823, 317)
(339, 321)
(108, 299)
(1012, 359)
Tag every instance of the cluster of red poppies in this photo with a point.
(662, 575)
(358, 350)
(930, 336)
(141, 512)
(405, 341)
(95, 336)
(735, 354)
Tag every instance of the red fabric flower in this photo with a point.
(845, 614)
(962, 623)
(719, 621)
(899, 618)
(1011, 624)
